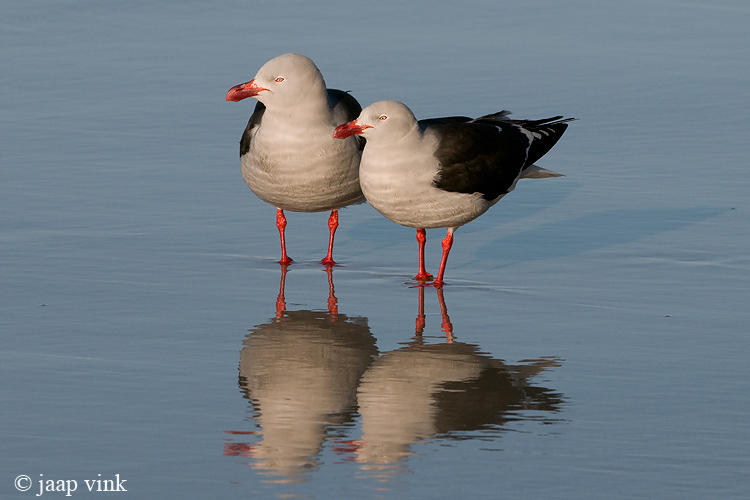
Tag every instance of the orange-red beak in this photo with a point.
(244, 90)
(348, 129)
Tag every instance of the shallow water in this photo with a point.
(591, 340)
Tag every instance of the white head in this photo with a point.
(285, 80)
(383, 120)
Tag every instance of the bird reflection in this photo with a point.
(444, 390)
(315, 379)
(300, 371)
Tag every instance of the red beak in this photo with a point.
(244, 90)
(349, 129)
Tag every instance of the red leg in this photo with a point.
(447, 244)
(422, 275)
(333, 223)
(281, 224)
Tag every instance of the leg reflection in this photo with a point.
(446, 326)
(281, 300)
(333, 308)
(420, 322)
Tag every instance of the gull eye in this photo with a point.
(382, 117)
(279, 79)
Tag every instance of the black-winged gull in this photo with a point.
(288, 155)
(445, 172)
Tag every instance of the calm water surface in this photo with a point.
(591, 341)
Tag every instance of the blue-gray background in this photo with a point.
(134, 260)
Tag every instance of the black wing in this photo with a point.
(546, 134)
(479, 156)
(447, 120)
(254, 123)
(343, 105)
(345, 108)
